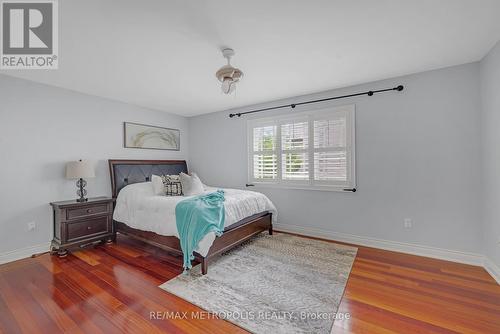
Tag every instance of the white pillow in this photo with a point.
(158, 186)
(191, 184)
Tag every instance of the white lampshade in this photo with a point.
(79, 169)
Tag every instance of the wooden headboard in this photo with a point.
(125, 172)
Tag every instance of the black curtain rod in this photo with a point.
(293, 105)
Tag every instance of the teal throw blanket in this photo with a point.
(196, 217)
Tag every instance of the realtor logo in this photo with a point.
(29, 34)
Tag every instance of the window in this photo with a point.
(313, 150)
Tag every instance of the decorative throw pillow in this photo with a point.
(172, 185)
(158, 187)
(191, 184)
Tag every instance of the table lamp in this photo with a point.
(79, 170)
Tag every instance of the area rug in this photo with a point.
(272, 284)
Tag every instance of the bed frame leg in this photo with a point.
(270, 223)
(204, 266)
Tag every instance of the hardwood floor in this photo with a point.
(113, 288)
(391, 292)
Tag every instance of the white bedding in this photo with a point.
(138, 207)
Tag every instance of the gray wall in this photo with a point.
(43, 127)
(418, 156)
(490, 90)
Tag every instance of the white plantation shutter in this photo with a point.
(330, 166)
(265, 164)
(330, 148)
(313, 150)
(294, 150)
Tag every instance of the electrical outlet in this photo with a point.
(31, 226)
(408, 223)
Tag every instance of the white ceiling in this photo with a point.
(163, 54)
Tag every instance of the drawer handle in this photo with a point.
(89, 210)
(89, 227)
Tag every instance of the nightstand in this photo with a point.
(77, 224)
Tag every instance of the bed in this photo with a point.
(135, 173)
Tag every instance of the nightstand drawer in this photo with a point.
(86, 211)
(88, 228)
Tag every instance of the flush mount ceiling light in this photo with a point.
(227, 74)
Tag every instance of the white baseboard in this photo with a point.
(396, 246)
(492, 269)
(23, 252)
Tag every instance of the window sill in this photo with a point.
(302, 187)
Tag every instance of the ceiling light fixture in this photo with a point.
(227, 74)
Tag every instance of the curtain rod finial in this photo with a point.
(400, 88)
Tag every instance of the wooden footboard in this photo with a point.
(233, 236)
